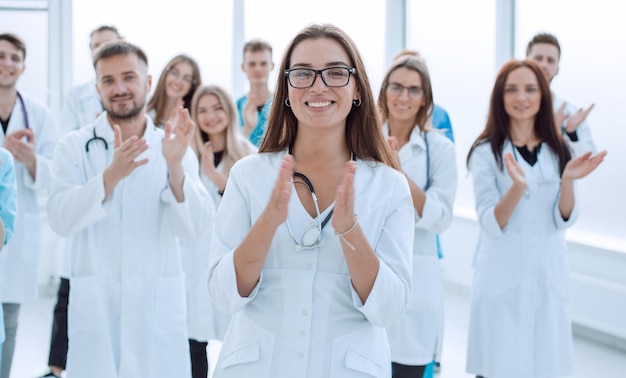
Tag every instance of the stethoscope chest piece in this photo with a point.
(311, 236)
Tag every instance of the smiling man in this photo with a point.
(124, 191)
(572, 121)
(29, 133)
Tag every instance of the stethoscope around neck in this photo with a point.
(312, 238)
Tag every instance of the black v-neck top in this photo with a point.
(529, 156)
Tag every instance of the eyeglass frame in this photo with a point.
(408, 89)
(351, 71)
(178, 75)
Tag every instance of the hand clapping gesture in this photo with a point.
(343, 215)
(583, 165)
(277, 208)
(124, 162)
(181, 127)
(515, 171)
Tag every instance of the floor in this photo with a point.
(593, 360)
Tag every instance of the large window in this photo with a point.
(457, 40)
(278, 21)
(593, 45)
(201, 29)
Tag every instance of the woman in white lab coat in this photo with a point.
(523, 178)
(428, 160)
(178, 82)
(311, 248)
(218, 144)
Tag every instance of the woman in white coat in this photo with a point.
(311, 250)
(523, 177)
(428, 160)
(218, 144)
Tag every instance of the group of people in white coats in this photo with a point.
(180, 231)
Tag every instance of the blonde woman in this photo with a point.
(218, 145)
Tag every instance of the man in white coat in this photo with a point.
(124, 191)
(545, 49)
(82, 106)
(29, 134)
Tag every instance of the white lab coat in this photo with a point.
(204, 320)
(304, 318)
(127, 316)
(82, 106)
(417, 338)
(520, 318)
(585, 140)
(19, 261)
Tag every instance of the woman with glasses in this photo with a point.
(176, 87)
(428, 160)
(218, 144)
(523, 178)
(311, 248)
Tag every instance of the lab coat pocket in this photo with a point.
(86, 312)
(361, 353)
(247, 349)
(171, 306)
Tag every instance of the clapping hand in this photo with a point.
(582, 165)
(175, 144)
(515, 171)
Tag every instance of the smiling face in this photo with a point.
(123, 84)
(522, 96)
(11, 64)
(179, 80)
(211, 115)
(547, 55)
(320, 106)
(403, 106)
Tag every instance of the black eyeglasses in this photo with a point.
(333, 77)
(177, 75)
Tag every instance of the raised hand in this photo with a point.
(515, 171)
(207, 159)
(23, 151)
(582, 165)
(343, 213)
(124, 159)
(393, 144)
(277, 207)
(576, 119)
(175, 147)
(250, 115)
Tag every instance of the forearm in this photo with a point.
(505, 208)
(417, 196)
(176, 179)
(362, 261)
(218, 179)
(250, 255)
(566, 198)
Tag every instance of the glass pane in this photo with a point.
(32, 27)
(461, 59)
(367, 29)
(593, 53)
(200, 29)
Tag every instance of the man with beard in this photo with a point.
(123, 191)
(29, 134)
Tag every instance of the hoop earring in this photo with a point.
(287, 103)
(357, 102)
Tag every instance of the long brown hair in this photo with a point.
(236, 146)
(496, 131)
(157, 101)
(363, 134)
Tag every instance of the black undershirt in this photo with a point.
(5, 123)
(529, 156)
(217, 157)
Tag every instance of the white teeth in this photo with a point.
(320, 104)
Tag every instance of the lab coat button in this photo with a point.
(309, 266)
(302, 333)
(304, 312)
(300, 354)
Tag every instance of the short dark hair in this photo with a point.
(15, 41)
(118, 47)
(255, 45)
(543, 38)
(104, 28)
